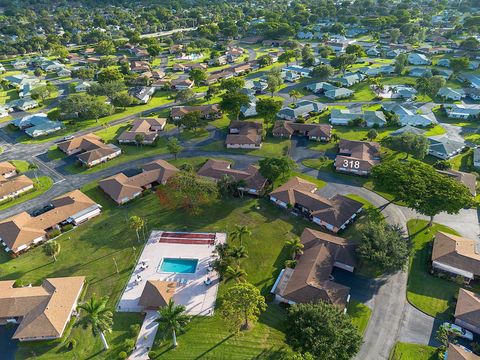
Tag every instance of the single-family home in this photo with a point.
(374, 118)
(51, 66)
(138, 66)
(462, 111)
(210, 111)
(338, 93)
(19, 80)
(357, 157)
(300, 196)
(4, 111)
(122, 188)
(456, 256)
(444, 62)
(467, 312)
(301, 110)
(310, 280)
(459, 352)
(408, 114)
(82, 86)
(472, 79)
(343, 116)
(21, 231)
(420, 72)
(14, 186)
(448, 93)
(476, 157)
(473, 93)
(142, 93)
(444, 148)
(64, 72)
(467, 179)
(144, 129)
(36, 125)
(19, 64)
(182, 84)
(318, 132)
(349, 79)
(408, 129)
(252, 181)
(89, 149)
(7, 169)
(23, 104)
(251, 108)
(300, 71)
(244, 135)
(320, 87)
(445, 73)
(418, 59)
(40, 312)
(373, 51)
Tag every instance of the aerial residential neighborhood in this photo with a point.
(288, 180)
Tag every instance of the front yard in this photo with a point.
(407, 351)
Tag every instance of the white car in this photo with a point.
(462, 332)
(68, 137)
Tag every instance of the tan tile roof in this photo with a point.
(457, 252)
(285, 192)
(22, 229)
(310, 280)
(121, 186)
(288, 128)
(90, 146)
(217, 169)
(44, 310)
(246, 133)
(11, 185)
(157, 293)
(456, 352)
(367, 153)
(468, 307)
(145, 127)
(6, 167)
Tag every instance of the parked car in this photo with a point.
(462, 332)
(68, 137)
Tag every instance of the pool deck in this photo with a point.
(198, 298)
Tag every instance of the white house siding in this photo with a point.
(452, 270)
(87, 216)
(16, 193)
(467, 326)
(243, 146)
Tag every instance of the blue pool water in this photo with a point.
(176, 265)
(8, 347)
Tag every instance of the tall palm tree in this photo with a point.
(52, 248)
(172, 318)
(98, 316)
(296, 247)
(239, 232)
(294, 94)
(137, 223)
(235, 273)
(238, 253)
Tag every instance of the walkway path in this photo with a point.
(146, 336)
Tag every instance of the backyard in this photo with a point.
(407, 351)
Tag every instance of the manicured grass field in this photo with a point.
(428, 293)
(407, 351)
(21, 165)
(41, 185)
(360, 315)
(271, 147)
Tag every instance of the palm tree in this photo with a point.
(136, 223)
(296, 247)
(33, 167)
(239, 231)
(98, 316)
(294, 94)
(52, 248)
(172, 318)
(235, 273)
(238, 253)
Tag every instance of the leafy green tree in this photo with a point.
(192, 121)
(436, 83)
(172, 319)
(268, 109)
(52, 248)
(322, 72)
(423, 85)
(242, 305)
(411, 144)
(421, 188)
(174, 147)
(43, 92)
(185, 95)
(294, 94)
(187, 191)
(239, 232)
(154, 50)
(59, 51)
(322, 330)
(110, 89)
(383, 246)
(198, 76)
(232, 101)
(372, 134)
(233, 84)
(139, 139)
(238, 253)
(109, 74)
(459, 64)
(343, 61)
(98, 316)
(445, 336)
(265, 60)
(276, 168)
(356, 50)
(105, 47)
(136, 223)
(84, 73)
(274, 80)
(211, 92)
(123, 99)
(287, 56)
(470, 43)
(401, 62)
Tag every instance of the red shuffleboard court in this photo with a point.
(187, 238)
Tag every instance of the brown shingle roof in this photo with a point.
(468, 307)
(217, 169)
(367, 153)
(310, 280)
(457, 252)
(145, 127)
(288, 128)
(44, 310)
(157, 293)
(205, 110)
(456, 352)
(6, 167)
(22, 229)
(121, 186)
(10, 186)
(244, 133)
(89, 147)
(467, 179)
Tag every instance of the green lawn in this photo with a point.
(360, 315)
(428, 293)
(89, 250)
(407, 351)
(41, 185)
(271, 147)
(21, 165)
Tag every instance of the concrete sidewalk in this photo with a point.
(146, 336)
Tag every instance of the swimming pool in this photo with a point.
(176, 265)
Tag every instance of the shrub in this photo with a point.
(134, 329)
(129, 344)
(122, 355)
(67, 227)
(54, 233)
(19, 283)
(152, 355)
